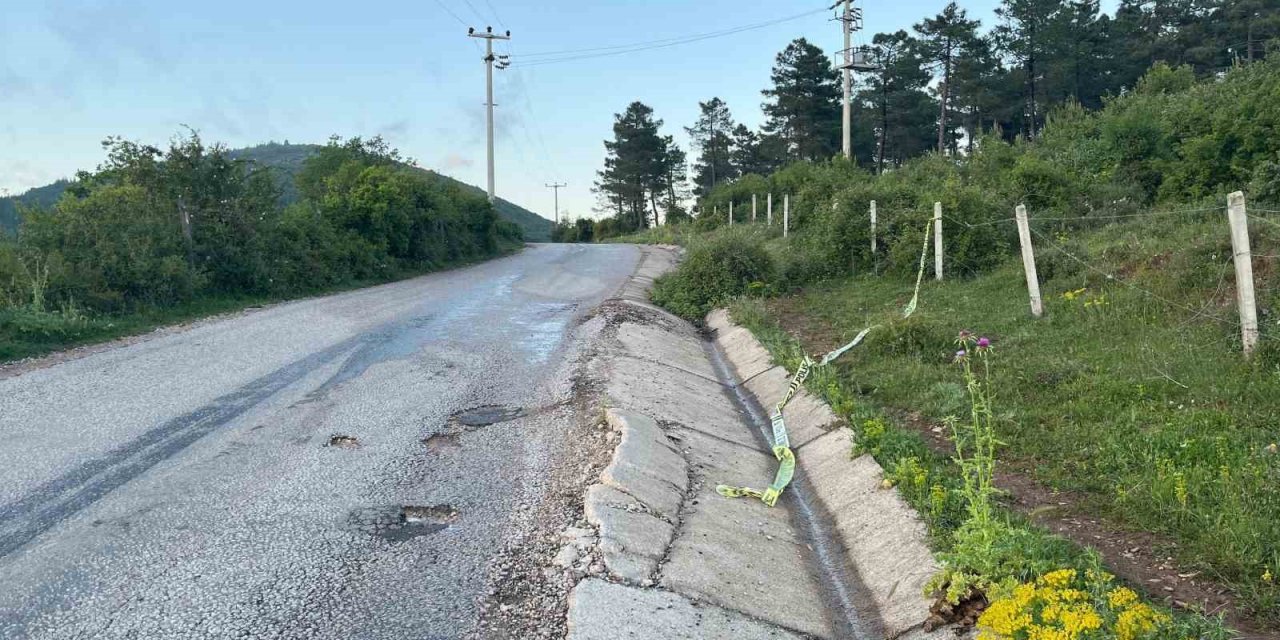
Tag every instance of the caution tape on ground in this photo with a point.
(781, 443)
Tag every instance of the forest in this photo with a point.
(942, 87)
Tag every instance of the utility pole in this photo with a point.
(850, 21)
(489, 36)
(556, 186)
(846, 21)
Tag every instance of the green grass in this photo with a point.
(1138, 398)
(25, 333)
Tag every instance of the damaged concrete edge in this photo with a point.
(884, 538)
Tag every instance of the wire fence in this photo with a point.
(1243, 326)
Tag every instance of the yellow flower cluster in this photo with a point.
(1051, 609)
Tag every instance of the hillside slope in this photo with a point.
(286, 159)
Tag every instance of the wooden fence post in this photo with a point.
(937, 240)
(786, 213)
(753, 208)
(1029, 261)
(1243, 255)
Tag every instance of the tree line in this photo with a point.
(153, 228)
(940, 87)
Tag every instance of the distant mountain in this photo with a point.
(38, 197)
(286, 159)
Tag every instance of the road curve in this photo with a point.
(191, 485)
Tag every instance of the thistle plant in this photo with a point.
(975, 440)
(975, 561)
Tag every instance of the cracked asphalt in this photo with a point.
(185, 486)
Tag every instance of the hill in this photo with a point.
(285, 159)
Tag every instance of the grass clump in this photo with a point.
(717, 268)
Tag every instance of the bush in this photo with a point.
(727, 264)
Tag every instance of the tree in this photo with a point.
(1023, 35)
(803, 107)
(641, 166)
(942, 39)
(711, 136)
(896, 92)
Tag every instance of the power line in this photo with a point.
(482, 17)
(460, 21)
(570, 55)
(495, 14)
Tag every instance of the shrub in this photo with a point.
(718, 268)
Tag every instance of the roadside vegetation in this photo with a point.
(1130, 398)
(158, 235)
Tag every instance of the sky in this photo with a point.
(243, 73)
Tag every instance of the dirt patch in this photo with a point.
(1143, 559)
(818, 335)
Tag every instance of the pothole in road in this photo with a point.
(442, 441)
(486, 415)
(400, 523)
(344, 441)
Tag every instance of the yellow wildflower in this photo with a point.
(1004, 618)
(1058, 579)
(1121, 597)
(1137, 621)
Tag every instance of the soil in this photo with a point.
(1143, 559)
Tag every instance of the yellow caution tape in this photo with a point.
(781, 443)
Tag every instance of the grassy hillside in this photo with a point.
(1127, 419)
(38, 197)
(285, 160)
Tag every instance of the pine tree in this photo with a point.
(803, 107)
(904, 114)
(641, 167)
(1024, 35)
(943, 38)
(711, 135)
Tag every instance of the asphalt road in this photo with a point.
(190, 486)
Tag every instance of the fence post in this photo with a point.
(786, 213)
(731, 213)
(1243, 256)
(937, 240)
(753, 208)
(768, 209)
(1029, 261)
(873, 227)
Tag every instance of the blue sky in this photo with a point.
(241, 72)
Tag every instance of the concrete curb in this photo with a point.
(660, 554)
(885, 540)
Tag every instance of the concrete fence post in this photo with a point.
(731, 213)
(768, 209)
(873, 228)
(1243, 255)
(1029, 261)
(937, 240)
(786, 214)
(753, 208)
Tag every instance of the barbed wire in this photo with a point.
(1262, 220)
(1113, 278)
